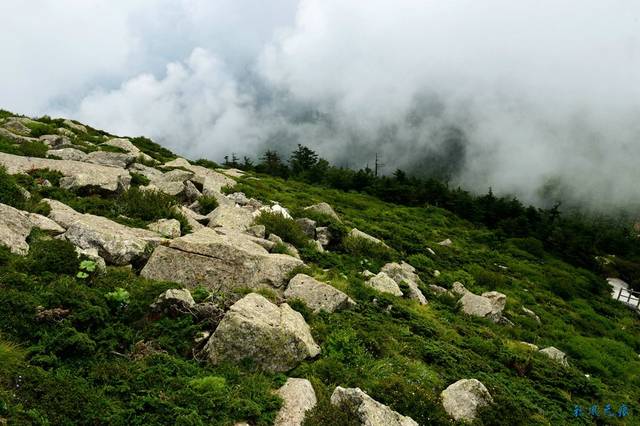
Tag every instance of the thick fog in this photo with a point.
(532, 98)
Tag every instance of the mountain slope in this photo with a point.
(88, 348)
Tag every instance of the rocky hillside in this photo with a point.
(139, 288)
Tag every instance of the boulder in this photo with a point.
(92, 254)
(116, 243)
(530, 346)
(324, 208)
(174, 301)
(75, 126)
(257, 231)
(170, 188)
(275, 337)
(126, 145)
(446, 243)
(191, 193)
(532, 314)
(317, 295)
(77, 174)
(556, 355)
(239, 198)
(384, 284)
(16, 225)
(14, 137)
(194, 219)
(437, 289)
(232, 172)
(356, 233)
(298, 397)
(219, 259)
(231, 217)
(308, 227)
(462, 399)
(176, 175)
(18, 125)
(56, 141)
(212, 182)
(488, 305)
(146, 171)
(112, 159)
(405, 273)
(275, 209)
(67, 154)
(169, 228)
(367, 410)
(323, 235)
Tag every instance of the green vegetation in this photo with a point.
(207, 204)
(81, 347)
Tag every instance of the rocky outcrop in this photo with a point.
(126, 145)
(212, 182)
(231, 217)
(384, 284)
(116, 243)
(67, 154)
(77, 174)
(16, 225)
(169, 228)
(75, 126)
(367, 410)
(488, 305)
(174, 301)
(298, 398)
(405, 273)
(275, 337)
(308, 226)
(194, 219)
(325, 209)
(112, 159)
(556, 355)
(356, 233)
(146, 171)
(220, 259)
(18, 125)
(317, 295)
(462, 399)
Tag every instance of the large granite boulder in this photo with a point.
(325, 209)
(556, 355)
(275, 337)
(174, 301)
(462, 399)
(488, 305)
(316, 295)
(146, 171)
(67, 154)
(298, 397)
(117, 244)
(356, 233)
(367, 410)
(112, 159)
(77, 174)
(308, 226)
(169, 228)
(128, 146)
(384, 284)
(212, 182)
(230, 216)
(15, 226)
(220, 259)
(405, 273)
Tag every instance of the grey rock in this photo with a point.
(257, 231)
(367, 410)
(317, 295)
(462, 399)
(75, 126)
(231, 217)
(174, 301)
(384, 284)
(67, 154)
(112, 159)
(275, 337)
(77, 174)
(298, 398)
(556, 355)
(56, 141)
(16, 225)
(323, 235)
(405, 273)
(169, 228)
(221, 260)
(308, 226)
(324, 208)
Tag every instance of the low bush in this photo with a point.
(207, 204)
(52, 256)
(285, 228)
(361, 247)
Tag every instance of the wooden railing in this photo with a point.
(629, 297)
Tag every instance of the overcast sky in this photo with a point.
(544, 91)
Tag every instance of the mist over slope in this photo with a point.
(539, 100)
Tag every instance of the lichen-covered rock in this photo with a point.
(117, 244)
(275, 337)
(316, 295)
(113, 159)
(405, 273)
(169, 228)
(488, 305)
(323, 235)
(231, 217)
(462, 399)
(384, 284)
(324, 208)
(556, 355)
(146, 171)
(15, 226)
(174, 301)
(77, 174)
(75, 126)
(356, 233)
(67, 154)
(367, 410)
(298, 398)
(219, 259)
(257, 231)
(308, 226)
(18, 125)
